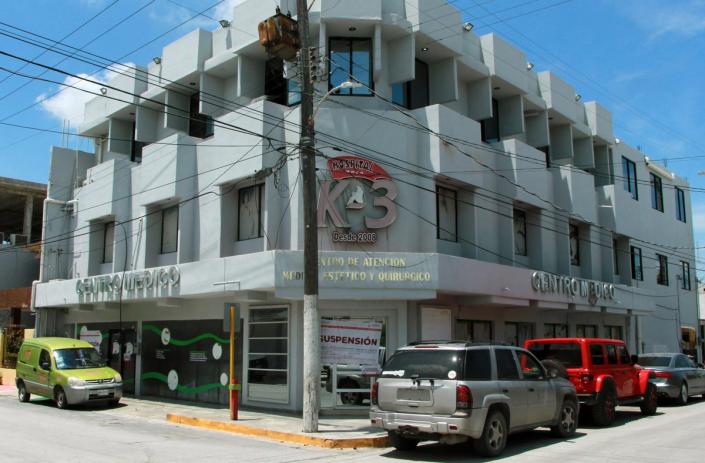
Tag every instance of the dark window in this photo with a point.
(685, 275)
(615, 256)
(350, 59)
(546, 150)
(489, 128)
(654, 361)
(613, 332)
(520, 232)
(656, 192)
(629, 174)
(597, 354)
(136, 146)
(574, 245)
(611, 354)
(477, 365)
(623, 355)
(474, 330)
(414, 93)
(517, 333)
(530, 368)
(200, 125)
(680, 205)
(78, 358)
(637, 272)
(506, 365)
(555, 330)
(277, 88)
(250, 212)
(682, 362)
(108, 241)
(586, 331)
(662, 275)
(446, 214)
(170, 229)
(425, 363)
(567, 353)
(44, 360)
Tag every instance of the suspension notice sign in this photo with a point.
(350, 342)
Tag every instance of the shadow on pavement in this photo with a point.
(625, 415)
(44, 402)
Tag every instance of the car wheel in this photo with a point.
(114, 403)
(60, 397)
(650, 404)
(350, 398)
(494, 435)
(402, 443)
(567, 420)
(682, 398)
(22, 393)
(603, 412)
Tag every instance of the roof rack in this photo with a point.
(462, 342)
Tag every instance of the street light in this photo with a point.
(344, 85)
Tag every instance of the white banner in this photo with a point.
(350, 342)
(92, 336)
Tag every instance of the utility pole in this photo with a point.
(312, 323)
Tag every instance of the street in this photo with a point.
(39, 432)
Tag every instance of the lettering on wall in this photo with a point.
(571, 287)
(363, 269)
(162, 277)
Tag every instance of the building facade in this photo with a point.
(461, 195)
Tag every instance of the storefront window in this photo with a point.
(268, 354)
(555, 330)
(613, 332)
(474, 330)
(517, 333)
(586, 331)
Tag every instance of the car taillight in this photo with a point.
(463, 397)
(374, 392)
(586, 378)
(662, 374)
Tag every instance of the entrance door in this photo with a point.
(122, 356)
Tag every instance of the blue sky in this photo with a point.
(642, 59)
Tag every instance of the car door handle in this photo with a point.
(506, 391)
(531, 389)
(34, 369)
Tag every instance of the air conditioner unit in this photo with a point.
(18, 240)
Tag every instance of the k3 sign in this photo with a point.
(358, 199)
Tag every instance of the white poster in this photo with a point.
(92, 336)
(436, 324)
(350, 342)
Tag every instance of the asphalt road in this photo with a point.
(39, 432)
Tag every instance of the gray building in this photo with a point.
(461, 195)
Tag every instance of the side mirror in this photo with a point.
(700, 365)
(635, 359)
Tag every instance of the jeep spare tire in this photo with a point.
(555, 369)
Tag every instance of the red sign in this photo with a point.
(355, 167)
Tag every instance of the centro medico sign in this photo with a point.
(163, 277)
(571, 287)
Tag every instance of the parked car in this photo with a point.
(603, 372)
(456, 391)
(677, 377)
(69, 371)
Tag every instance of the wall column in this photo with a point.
(27, 223)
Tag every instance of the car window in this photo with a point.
(597, 354)
(477, 365)
(611, 354)
(530, 368)
(682, 362)
(623, 355)
(425, 363)
(506, 365)
(44, 358)
(568, 353)
(654, 361)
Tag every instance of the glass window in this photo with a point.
(425, 363)
(662, 275)
(656, 192)
(447, 214)
(517, 333)
(414, 93)
(506, 365)
(685, 275)
(654, 361)
(350, 59)
(170, 229)
(250, 212)
(611, 354)
(474, 330)
(268, 354)
(108, 241)
(623, 355)
(586, 331)
(683, 362)
(530, 368)
(680, 205)
(400, 95)
(567, 353)
(75, 359)
(489, 128)
(477, 365)
(597, 354)
(555, 330)
(629, 174)
(637, 272)
(613, 332)
(520, 232)
(615, 256)
(136, 147)
(574, 245)
(45, 360)
(200, 125)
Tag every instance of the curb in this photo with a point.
(289, 437)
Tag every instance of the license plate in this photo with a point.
(418, 395)
(102, 392)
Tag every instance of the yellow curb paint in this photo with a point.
(293, 438)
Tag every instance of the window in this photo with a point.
(517, 333)
(624, 358)
(685, 275)
(446, 214)
(680, 205)
(546, 150)
(586, 331)
(426, 363)
(414, 93)
(44, 360)
(568, 353)
(615, 256)
(170, 229)
(611, 354)
(136, 146)
(108, 240)
(662, 275)
(268, 354)
(613, 332)
(474, 330)
(477, 365)
(250, 212)
(574, 245)
(200, 125)
(629, 174)
(530, 368)
(489, 128)
(637, 272)
(278, 88)
(682, 362)
(555, 330)
(520, 232)
(506, 365)
(656, 192)
(350, 59)
(597, 354)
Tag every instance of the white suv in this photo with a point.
(457, 391)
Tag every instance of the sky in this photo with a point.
(642, 59)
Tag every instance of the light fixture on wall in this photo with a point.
(467, 27)
(157, 60)
(103, 90)
(617, 141)
(578, 97)
(529, 66)
(424, 49)
(224, 23)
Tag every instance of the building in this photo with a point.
(526, 217)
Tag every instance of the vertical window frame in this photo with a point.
(108, 227)
(574, 230)
(685, 276)
(662, 274)
(259, 192)
(454, 196)
(656, 192)
(637, 271)
(369, 92)
(163, 212)
(680, 205)
(630, 180)
(521, 232)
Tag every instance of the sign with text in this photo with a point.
(350, 342)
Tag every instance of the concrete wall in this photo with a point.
(18, 267)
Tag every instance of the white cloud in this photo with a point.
(659, 18)
(225, 9)
(69, 102)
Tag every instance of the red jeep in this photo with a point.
(603, 373)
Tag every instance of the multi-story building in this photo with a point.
(461, 195)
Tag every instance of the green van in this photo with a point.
(67, 370)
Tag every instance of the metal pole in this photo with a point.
(234, 386)
(312, 325)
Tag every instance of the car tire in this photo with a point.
(682, 398)
(114, 403)
(567, 420)
(22, 393)
(60, 398)
(350, 398)
(494, 435)
(650, 404)
(603, 412)
(402, 443)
